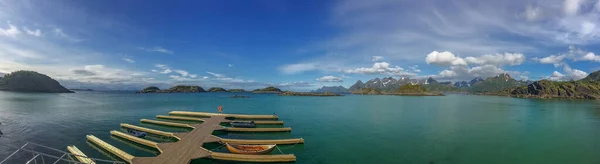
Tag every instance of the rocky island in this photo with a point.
(271, 90)
(404, 90)
(216, 89)
(290, 93)
(587, 88)
(236, 90)
(175, 89)
(30, 81)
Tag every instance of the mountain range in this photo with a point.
(477, 85)
(332, 89)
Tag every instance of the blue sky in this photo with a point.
(297, 45)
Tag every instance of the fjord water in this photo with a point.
(348, 129)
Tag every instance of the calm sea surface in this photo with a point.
(348, 129)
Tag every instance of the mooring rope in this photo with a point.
(278, 149)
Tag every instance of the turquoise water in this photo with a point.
(349, 129)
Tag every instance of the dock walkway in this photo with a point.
(189, 145)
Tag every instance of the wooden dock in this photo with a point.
(236, 116)
(79, 155)
(189, 144)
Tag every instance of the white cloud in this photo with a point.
(414, 68)
(330, 79)
(297, 68)
(230, 65)
(570, 74)
(182, 72)
(295, 84)
(532, 13)
(591, 57)
(11, 31)
(216, 74)
(444, 59)
(164, 69)
(380, 68)
(598, 5)
(461, 72)
(157, 49)
(497, 59)
(36, 32)
(552, 59)
(60, 33)
(571, 7)
(376, 58)
(128, 60)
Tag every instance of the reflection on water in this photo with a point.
(348, 129)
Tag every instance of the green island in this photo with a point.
(174, 89)
(325, 94)
(216, 89)
(30, 81)
(271, 90)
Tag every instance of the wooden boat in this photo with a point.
(243, 124)
(136, 133)
(250, 149)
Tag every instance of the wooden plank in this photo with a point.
(135, 139)
(258, 129)
(151, 131)
(239, 116)
(180, 118)
(253, 158)
(166, 123)
(79, 155)
(110, 148)
(263, 142)
(268, 122)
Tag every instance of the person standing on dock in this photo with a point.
(220, 109)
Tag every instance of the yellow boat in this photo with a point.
(250, 149)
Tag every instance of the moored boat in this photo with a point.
(243, 124)
(137, 133)
(250, 149)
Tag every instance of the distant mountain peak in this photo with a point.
(594, 76)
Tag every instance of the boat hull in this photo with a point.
(250, 149)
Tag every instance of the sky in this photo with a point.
(296, 45)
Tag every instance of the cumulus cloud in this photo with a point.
(591, 57)
(157, 49)
(444, 59)
(11, 31)
(465, 73)
(471, 67)
(128, 60)
(497, 59)
(330, 79)
(570, 74)
(380, 68)
(552, 59)
(376, 58)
